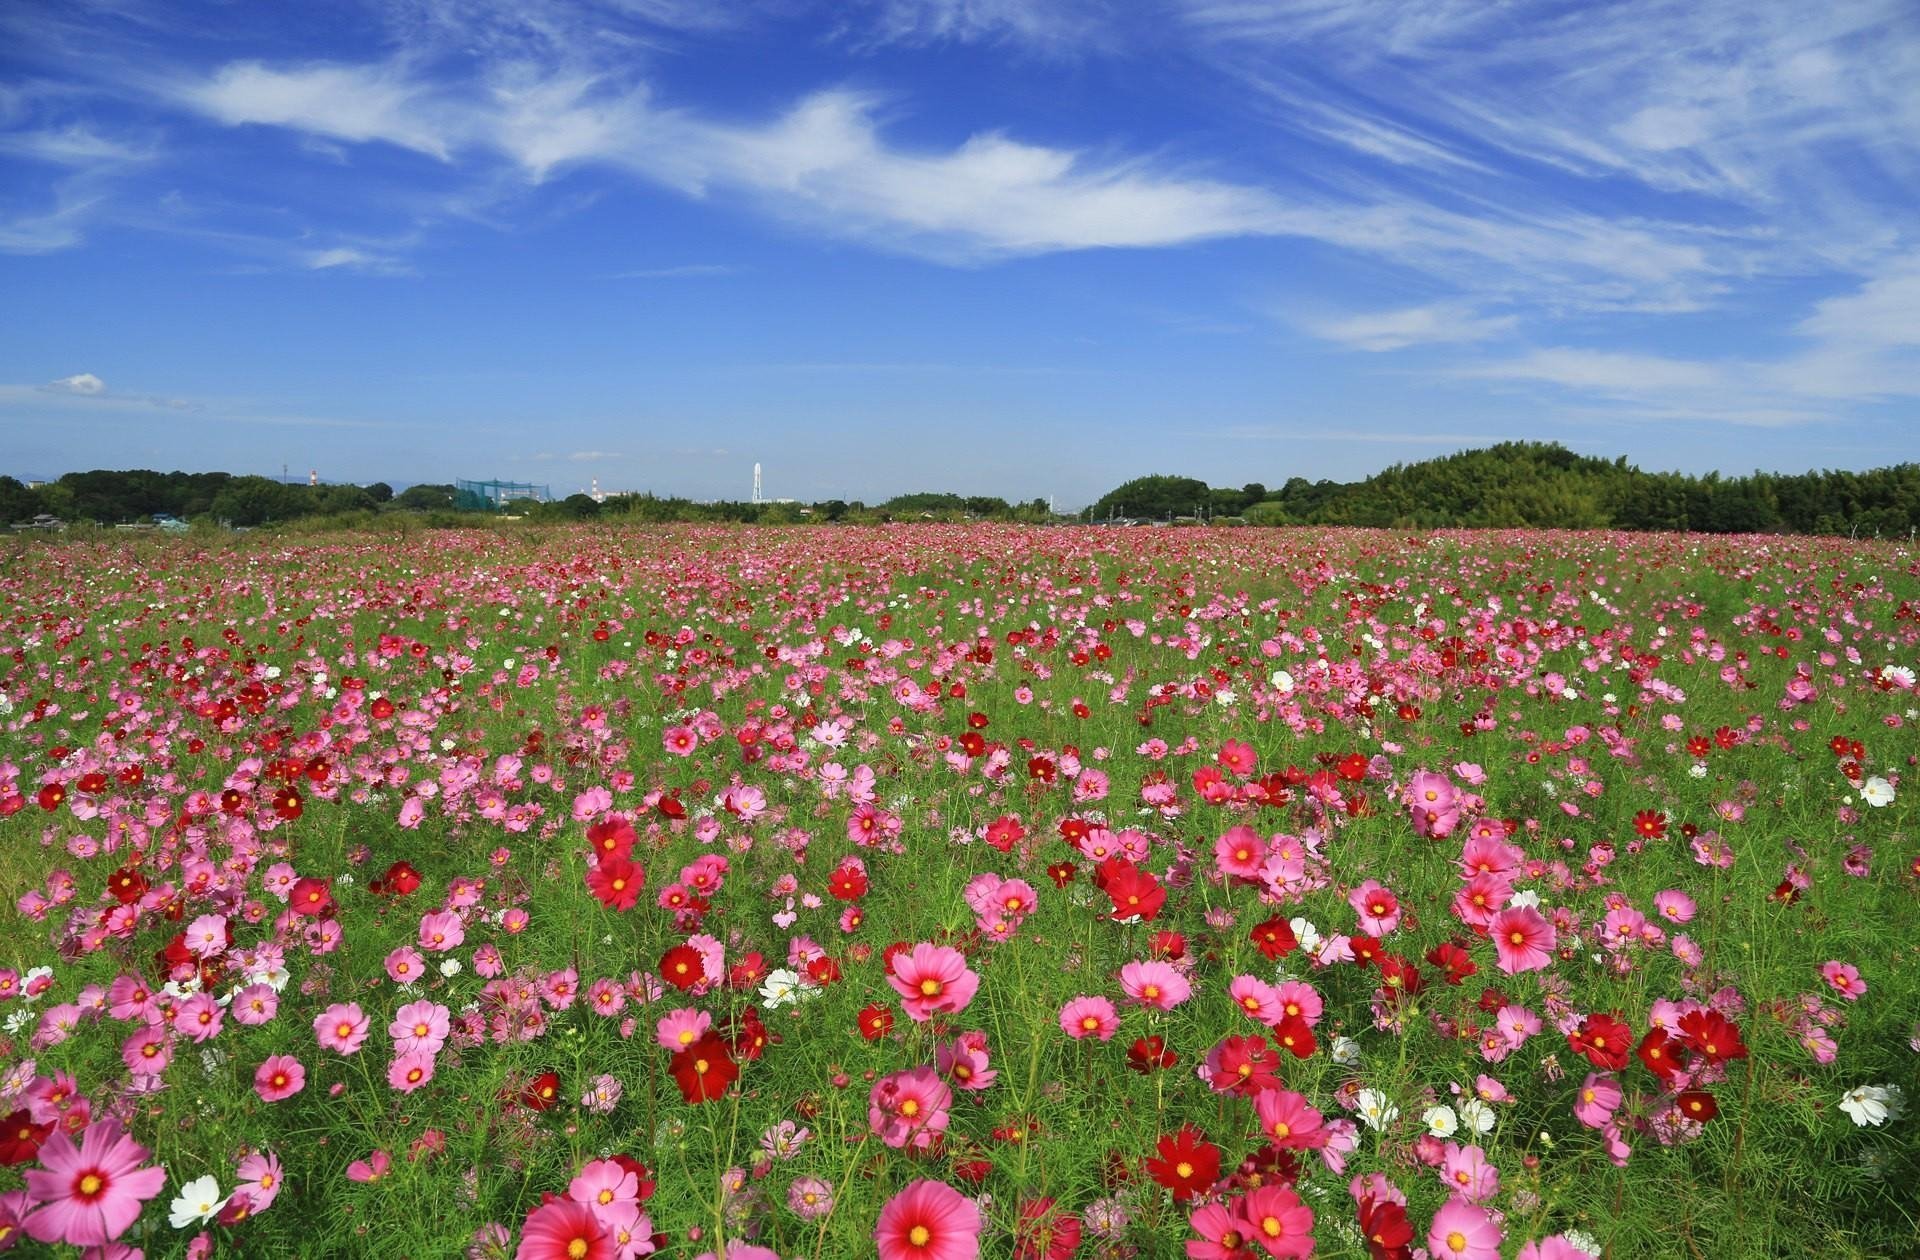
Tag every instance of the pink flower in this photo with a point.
(341, 1028)
(148, 1051)
(932, 978)
(1278, 1221)
(680, 1028)
(1598, 1098)
(1240, 852)
(260, 1179)
(370, 1169)
(1523, 939)
(1462, 1231)
(965, 1062)
(405, 966)
(929, 1220)
(1553, 1247)
(1673, 905)
(441, 931)
(419, 1025)
(1467, 1173)
(1155, 983)
(92, 1192)
(1257, 1000)
(561, 1229)
(909, 1108)
(1844, 979)
(1086, 1016)
(602, 1183)
(280, 1077)
(1287, 1119)
(1377, 907)
(410, 1071)
(256, 1004)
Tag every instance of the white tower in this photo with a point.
(756, 483)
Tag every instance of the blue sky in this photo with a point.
(1019, 247)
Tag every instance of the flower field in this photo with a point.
(960, 891)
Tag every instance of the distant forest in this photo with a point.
(1526, 484)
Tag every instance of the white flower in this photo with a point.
(1529, 899)
(1698, 770)
(1873, 1104)
(1476, 1115)
(1377, 1110)
(18, 1020)
(1346, 1051)
(199, 1201)
(450, 968)
(1282, 681)
(781, 988)
(274, 978)
(1581, 1240)
(1440, 1121)
(1225, 698)
(1877, 792)
(1307, 934)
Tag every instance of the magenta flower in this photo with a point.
(1523, 939)
(370, 1169)
(1086, 1016)
(1287, 1119)
(933, 979)
(909, 1108)
(929, 1220)
(91, 1193)
(280, 1077)
(1276, 1219)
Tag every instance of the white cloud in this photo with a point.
(346, 102)
(1605, 372)
(1046, 24)
(352, 258)
(1442, 322)
(85, 384)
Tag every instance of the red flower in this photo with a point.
(1697, 1104)
(1149, 1053)
(704, 1069)
(286, 802)
(1366, 950)
(400, 880)
(616, 882)
(1651, 823)
(1044, 1234)
(750, 1036)
(311, 896)
(1453, 960)
(20, 1138)
(1384, 1226)
(612, 836)
(127, 885)
(1062, 873)
(1713, 1035)
(1295, 1036)
(1187, 1164)
(542, 1091)
(1134, 893)
(1658, 1051)
(1275, 938)
(1604, 1040)
(681, 967)
(876, 1021)
(847, 883)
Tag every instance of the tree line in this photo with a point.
(1545, 485)
(1513, 484)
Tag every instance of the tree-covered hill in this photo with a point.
(1545, 485)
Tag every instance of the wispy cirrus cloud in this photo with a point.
(1439, 323)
